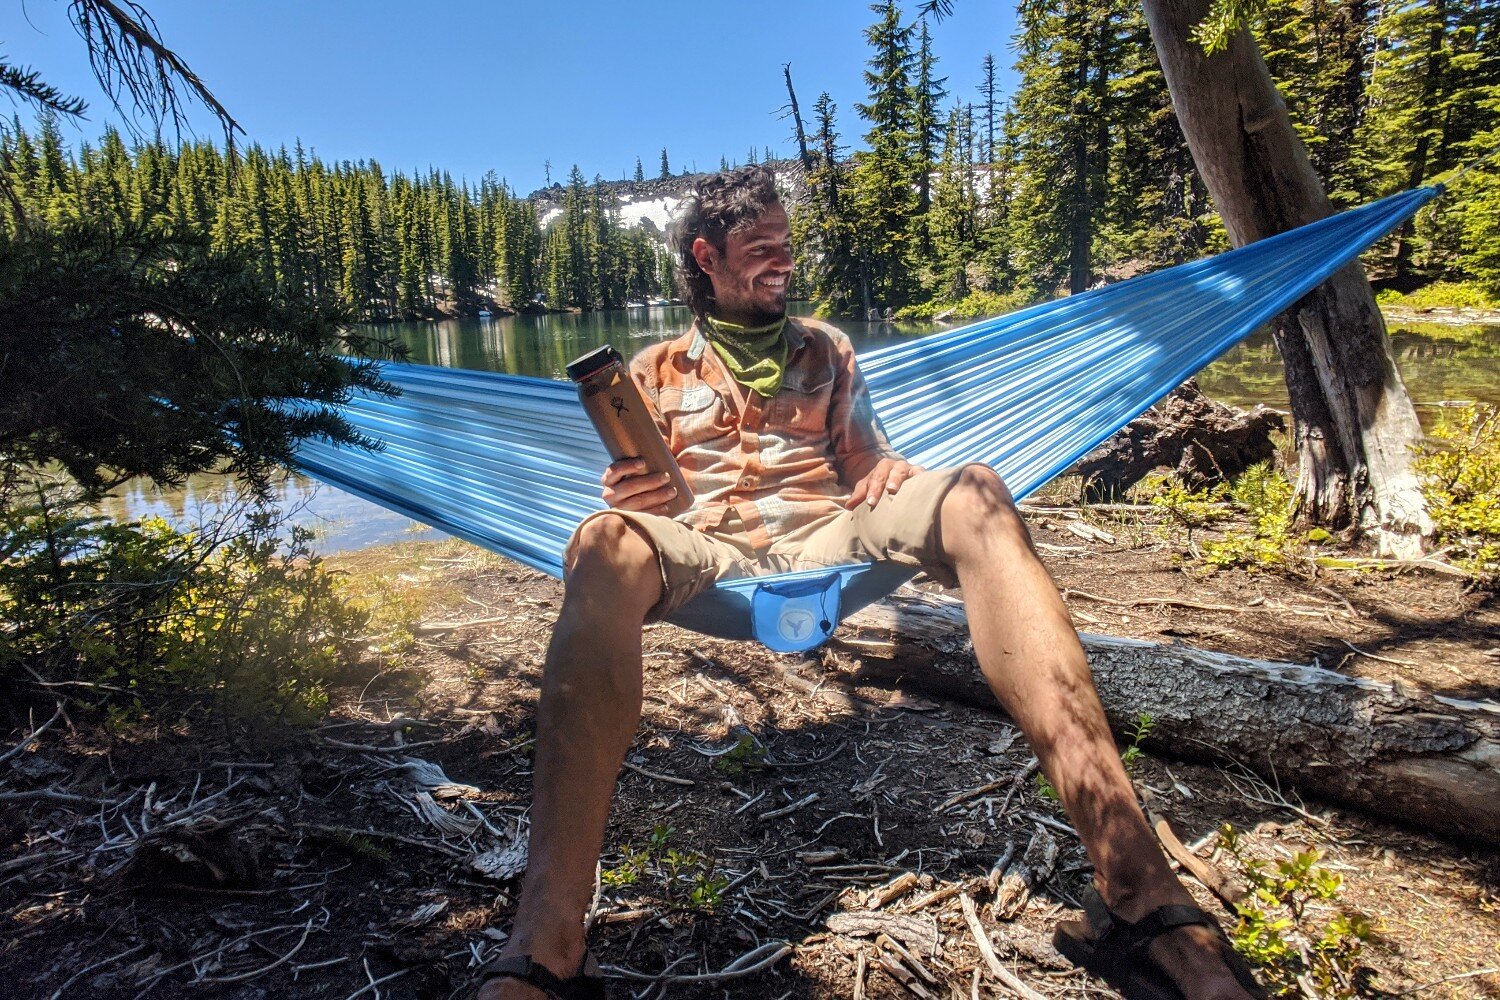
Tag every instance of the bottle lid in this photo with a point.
(602, 357)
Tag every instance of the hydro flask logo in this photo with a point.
(618, 402)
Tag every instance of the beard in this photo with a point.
(760, 316)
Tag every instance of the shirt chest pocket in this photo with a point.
(693, 414)
(805, 397)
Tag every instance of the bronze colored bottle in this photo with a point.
(625, 420)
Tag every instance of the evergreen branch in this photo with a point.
(28, 84)
(1224, 19)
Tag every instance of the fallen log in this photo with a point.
(1384, 749)
(1201, 440)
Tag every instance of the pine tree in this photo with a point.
(927, 97)
(823, 224)
(1065, 110)
(666, 169)
(886, 177)
(640, 173)
(989, 105)
(1434, 99)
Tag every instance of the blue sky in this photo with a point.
(471, 87)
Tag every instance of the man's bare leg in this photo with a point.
(589, 710)
(1027, 647)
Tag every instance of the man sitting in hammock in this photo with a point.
(771, 423)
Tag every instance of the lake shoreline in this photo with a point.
(1394, 314)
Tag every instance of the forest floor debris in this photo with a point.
(778, 832)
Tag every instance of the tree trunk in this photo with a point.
(1354, 423)
(1430, 762)
(802, 154)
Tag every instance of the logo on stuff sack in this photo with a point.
(795, 624)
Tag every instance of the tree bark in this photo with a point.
(1203, 441)
(1402, 756)
(1354, 423)
(796, 114)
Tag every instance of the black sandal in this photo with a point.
(1115, 949)
(585, 984)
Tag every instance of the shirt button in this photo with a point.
(748, 481)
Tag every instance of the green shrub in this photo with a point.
(143, 619)
(746, 757)
(1459, 468)
(1266, 496)
(686, 877)
(972, 306)
(1189, 509)
(1288, 926)
(1439, 294)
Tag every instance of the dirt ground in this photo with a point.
(754, 823)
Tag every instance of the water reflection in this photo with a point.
(543, 345)
(1439, 363)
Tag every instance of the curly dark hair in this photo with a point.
(721, 204)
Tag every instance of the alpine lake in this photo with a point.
(1442, 365)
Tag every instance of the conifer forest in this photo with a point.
(1080, 174)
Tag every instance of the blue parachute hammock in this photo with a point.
(512, 463)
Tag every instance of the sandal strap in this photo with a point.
(582, 985)
(1137, 935)
(1164, 919)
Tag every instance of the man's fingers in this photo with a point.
(876, 488)
(623, 469)
(899, 475)
(650, 501)
(858, 495)
(625, 492)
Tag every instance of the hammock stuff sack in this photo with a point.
(511, 463)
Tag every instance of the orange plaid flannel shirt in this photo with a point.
(778, 463)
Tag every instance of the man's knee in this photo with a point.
(979, 508)
(610, 551)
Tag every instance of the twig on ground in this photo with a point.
(54, 795)
(240, 977)
(91, 968)
(669, 779)
(751, 962)
(894, 889)
(1151, 601)
(1450, 979)
(26, 743)
(987, 952)
(1372, 656)
(972, 793)
(375, 983)
(807, 799)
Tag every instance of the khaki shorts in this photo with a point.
(902, 528)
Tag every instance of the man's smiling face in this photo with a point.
(750, 276)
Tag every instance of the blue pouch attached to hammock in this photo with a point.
(796, 615)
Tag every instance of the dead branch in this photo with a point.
(751, 962)
(987, 952)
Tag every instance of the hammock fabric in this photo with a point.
(512, 463)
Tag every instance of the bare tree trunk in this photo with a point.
(796, 115)
(1354, 423)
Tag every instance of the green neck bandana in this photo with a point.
(755, 356)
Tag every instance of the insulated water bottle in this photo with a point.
(624, 419)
